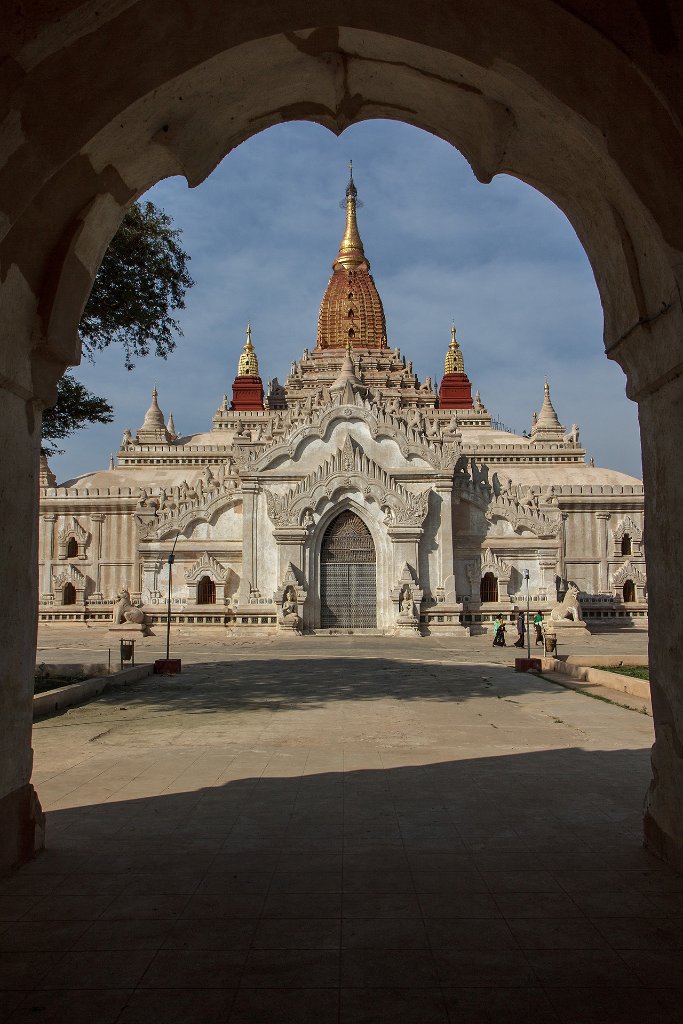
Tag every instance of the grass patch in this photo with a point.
(635, 671)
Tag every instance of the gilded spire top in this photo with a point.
(454, 362)
(351, 253)
(248, 363)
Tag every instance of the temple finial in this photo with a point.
(351, 253)
(248, 362)
(454, 362)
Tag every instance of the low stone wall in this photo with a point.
(75, 693)
(609, 680)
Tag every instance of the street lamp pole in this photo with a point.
(171, 560)
(528, 637)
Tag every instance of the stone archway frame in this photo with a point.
(207, 565)
(68, 574)
(627, 525)
(75, 531)
(505, 84)
(489, 562)
(384, 554)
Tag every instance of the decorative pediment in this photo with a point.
(627, 571)
(206, 565)
(626, 525)
(348, 468)
(489, 561)
(68, 574)
(175, 508)
(381, 423)
(525, 515)
(75, 530)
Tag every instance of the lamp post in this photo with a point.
(528, 637)
(171, 560)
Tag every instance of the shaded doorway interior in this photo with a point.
(348, 575)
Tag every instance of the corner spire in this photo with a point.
(546, 426)
(351, 253)
(248, 362)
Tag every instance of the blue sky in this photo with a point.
(263, 230)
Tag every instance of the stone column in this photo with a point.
(97, 518)
(661, 427)
(444, 489)
(604, 517)
(20, 815)
(50, 518)
(249, 578)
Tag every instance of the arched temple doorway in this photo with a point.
(488, 588)
(206, 591)
(629, 592)
(348, 575)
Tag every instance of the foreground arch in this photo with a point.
(521, 88)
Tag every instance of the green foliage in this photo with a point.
(75, 407)
(635, 671)
(142, 280)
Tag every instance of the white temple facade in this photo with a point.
(352, 497)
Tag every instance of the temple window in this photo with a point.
(69, 594)
(488, 590)
(206, 591)
(626, 547)
(352, 333)
(629, 592)
(72, 548)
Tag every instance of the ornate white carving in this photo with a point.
(300, 425)
(348, 467)
(488, 562)
(75, 530)
(68, 574)
(206, 565)
(628, 571)
(176, 508)
(626, 525)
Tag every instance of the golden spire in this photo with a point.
(248, 364)
(454, 362)
(351, 253)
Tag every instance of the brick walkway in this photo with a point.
(345, 831)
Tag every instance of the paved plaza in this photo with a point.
(342, 830)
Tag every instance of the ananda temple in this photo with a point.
(352, 496)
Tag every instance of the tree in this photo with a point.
(75, 407)
(142, 280)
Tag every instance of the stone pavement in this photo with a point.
(346, 830)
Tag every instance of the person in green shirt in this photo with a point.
(538, 623)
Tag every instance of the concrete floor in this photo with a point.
(343, 830)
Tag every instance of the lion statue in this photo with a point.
(125, 611)
(569, 608)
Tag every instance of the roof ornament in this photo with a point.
(351, 253)
(454, 362)
(248, 362)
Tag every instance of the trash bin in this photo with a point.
(549, 641)
(127, 651)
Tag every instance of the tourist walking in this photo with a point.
(538, 625)
(520, 629)
(498, 632)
